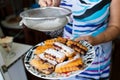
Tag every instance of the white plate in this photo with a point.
(88, 60)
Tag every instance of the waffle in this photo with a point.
(41, 49)
(42, 66)
(68, 66)
(77, 46)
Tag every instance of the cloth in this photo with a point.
(90, 17)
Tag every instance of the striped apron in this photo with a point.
(90, 17)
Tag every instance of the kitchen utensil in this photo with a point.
(45, 18)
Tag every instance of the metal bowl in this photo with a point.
(46, 18)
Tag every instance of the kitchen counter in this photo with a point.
(19, 50)
(13, 68)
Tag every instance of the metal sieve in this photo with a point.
(45, 18)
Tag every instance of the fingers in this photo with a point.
(82, 38)
(89, 39)
(42, 3)
(53, 2)
(49, 2)
(45, 3)
(56, 2)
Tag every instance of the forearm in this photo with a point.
(113, 30)
(109, 34)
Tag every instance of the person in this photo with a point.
(96, 21)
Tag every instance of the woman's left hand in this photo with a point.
(92, 40)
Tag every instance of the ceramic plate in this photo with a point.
(88, 58)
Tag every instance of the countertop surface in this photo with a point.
(19, 50)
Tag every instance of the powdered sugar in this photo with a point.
(46, 25)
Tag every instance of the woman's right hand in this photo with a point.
(45, 3)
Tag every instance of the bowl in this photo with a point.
(45, 18)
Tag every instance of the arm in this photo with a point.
(113, 30)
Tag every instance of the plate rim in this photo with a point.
(61, 77)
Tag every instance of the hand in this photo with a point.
(92, 40)
(45, 3)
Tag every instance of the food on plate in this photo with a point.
(54, 55)
(50, 41)
(69, 52)
(77, 46)
(42, 56)
(71, 65)
(58, 39)
(61, 39)
(42, 66)
(58, 55)
(41, 49)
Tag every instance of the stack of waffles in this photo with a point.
(58, 55)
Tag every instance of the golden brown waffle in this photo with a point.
(69, 66)
(42, 66)
(41, 49)
(77, 46)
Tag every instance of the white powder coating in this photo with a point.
(65, 48)
(56, 53)
(46, 25)
(66, 62)
(44, 58)
(6, 39)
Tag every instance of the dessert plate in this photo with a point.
(88, 59)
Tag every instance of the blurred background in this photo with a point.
(9, 21)
(9, 26)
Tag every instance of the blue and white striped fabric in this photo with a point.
(90, 17)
